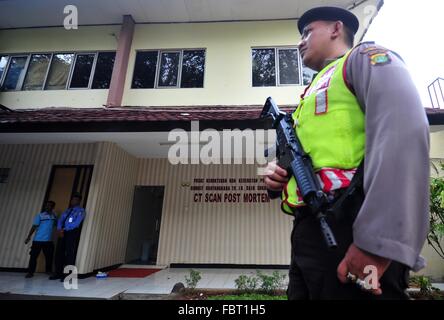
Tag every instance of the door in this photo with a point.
(63, 182)
(144, 232)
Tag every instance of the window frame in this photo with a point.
(276, 66)
(91, 75)
(179, 73)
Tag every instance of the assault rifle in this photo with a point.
(292, 157)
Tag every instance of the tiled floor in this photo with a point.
(160, 282)
(39, 285)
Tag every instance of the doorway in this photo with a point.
(63, 182)
(144, 231)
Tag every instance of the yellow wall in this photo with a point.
(227, 67)
(437, 145)
(227, 78)
(55, 40)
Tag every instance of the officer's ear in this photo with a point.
(336, 29)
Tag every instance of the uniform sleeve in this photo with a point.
(393, 220)
(60, 221)
(36, 221)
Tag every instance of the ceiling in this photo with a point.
(42, 13)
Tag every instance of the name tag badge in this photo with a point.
(70, 220)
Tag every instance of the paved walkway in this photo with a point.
(159, 283)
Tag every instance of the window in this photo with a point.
(308, 74)
(59, 71)
(288, 66)
(82, 71)
(3, 63)
(37, 69)
(169, 69)
(275, 66)
(104, 70)
(264, 67)
(15, 74)
(193, 64)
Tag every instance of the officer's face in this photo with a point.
(314, 44)
(49, 206)
(75, 201)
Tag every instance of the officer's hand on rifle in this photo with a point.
(275, 177)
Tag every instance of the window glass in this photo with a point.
(169, 69)
(59, 71)
(145, 70)
(3, 63)
(288, 66)
(82, 71)
(264, 67)
(37, 69)
(193, 65)
(104, 70)
(15, 74)
(308, 74)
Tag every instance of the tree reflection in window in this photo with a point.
(264, 67)
(104, 70)
(82, 71)
(193, 64)
(308, 74)
(288, 66)
(169, 69)
(145, 70)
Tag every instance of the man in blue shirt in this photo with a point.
(68, 230)
(44, 223)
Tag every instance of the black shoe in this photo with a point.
(55, 277)
(29, 275)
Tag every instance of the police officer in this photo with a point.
(362, 104)
(44, 224)
(68, 229)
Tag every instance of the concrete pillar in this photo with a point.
(117, 84)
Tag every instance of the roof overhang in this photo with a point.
(44, 13)
(142, 132)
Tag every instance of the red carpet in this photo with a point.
(131, 272)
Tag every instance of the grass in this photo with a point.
(248, 296)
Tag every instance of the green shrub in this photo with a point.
(246, 284)
(436, 233)
(270, 283)
(261, 282)
(193, 279)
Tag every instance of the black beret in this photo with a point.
(329, 14)
(77, 195)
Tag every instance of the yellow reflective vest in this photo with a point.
(330, 125)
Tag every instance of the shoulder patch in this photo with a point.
(377, 55)
(380, 58)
